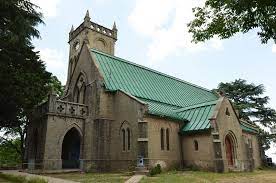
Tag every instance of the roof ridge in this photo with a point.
(212, 102)
(152, 70)
(158, 101)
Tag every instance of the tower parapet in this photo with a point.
(112, 33)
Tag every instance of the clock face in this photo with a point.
(76, 45)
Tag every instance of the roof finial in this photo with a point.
(72, 29)
(87, 17)
(114, 26)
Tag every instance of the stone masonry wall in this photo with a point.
(166, 158)
(201, 158)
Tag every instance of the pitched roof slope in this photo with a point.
(197, 116)
(149, 84)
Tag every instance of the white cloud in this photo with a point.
(165, 23)
(48, 7)
(274, 48)
(55, 62)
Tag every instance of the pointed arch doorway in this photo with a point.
(229, 149)
(71, 149)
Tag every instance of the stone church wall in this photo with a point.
(228, 124)
(128, 111)
(201, 158)
(254, 144)
(168, 159)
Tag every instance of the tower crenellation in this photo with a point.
(112, 33)
(100, 37)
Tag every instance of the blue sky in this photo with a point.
(154, 33)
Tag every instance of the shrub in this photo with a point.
(155, 170)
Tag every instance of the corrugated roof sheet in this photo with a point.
(162, 110)
(248, 128)
(198, 116)
(165, 95)
(149, 84)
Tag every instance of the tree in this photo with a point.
(10, 153)
(22, 74)
(248, 99)
(226, 18)
(24, 80)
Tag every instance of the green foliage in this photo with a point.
(193, 168)
(56, 86)
(21, 179)
(24, 80)
(10, 154)
(226, 18)
(155, 170)
(251, 105)
(249, 100)
(18, 22)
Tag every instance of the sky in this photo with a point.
(153, 33)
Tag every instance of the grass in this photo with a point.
(93, 177)
(266, 176)
(19, 179)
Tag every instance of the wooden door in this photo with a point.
(229, 151)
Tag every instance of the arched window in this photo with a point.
(124, 139)
(79, 91)
(128, 139)
(196, 145)
(168, 139)
(162, 138)
(227, 111)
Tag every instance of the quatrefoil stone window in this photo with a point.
(72, 110)
(82, 111)
(60, 108)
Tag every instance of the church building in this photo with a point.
(117, 115)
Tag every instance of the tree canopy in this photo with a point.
(24, 80)
(226, 18)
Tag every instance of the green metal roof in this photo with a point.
(198, 116)
(162, 109)
(248, 128)
(149, 84)
(165, 95)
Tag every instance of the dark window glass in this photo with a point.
(168, 139)
(196, 145)
(162, 138)
(128, 139)
(227, 112)
(124, 139)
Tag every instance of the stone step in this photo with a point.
(141, 171)
(145, 172)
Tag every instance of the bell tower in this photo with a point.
(97, 36)
(93, 34)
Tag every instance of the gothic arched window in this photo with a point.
(168, 139)
(124, 139)
(79, 91)
(162, 138)
(196, 145)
